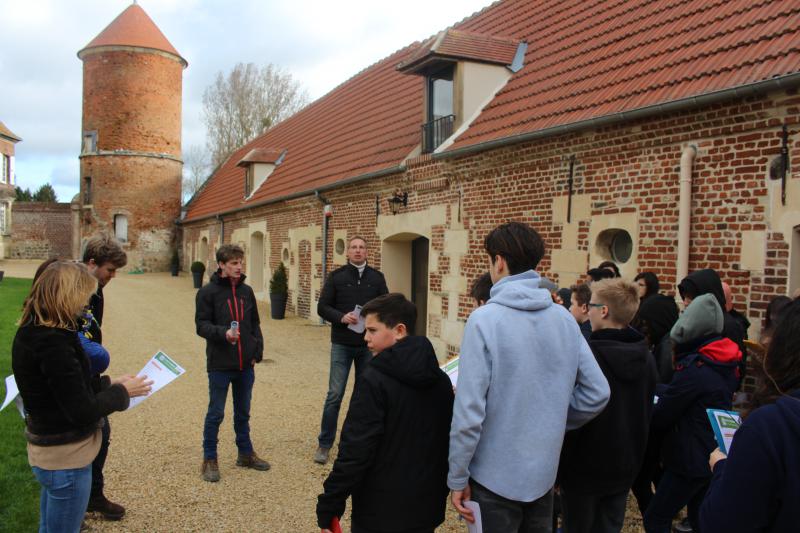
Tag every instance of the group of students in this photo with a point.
(540, 404)
(549, 409)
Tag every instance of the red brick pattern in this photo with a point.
(41, 230)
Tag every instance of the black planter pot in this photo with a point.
(197, 277)
(277, 304)
(2, 273)
(173, 270)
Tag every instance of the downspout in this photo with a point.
(221, 230)
(326, 213)
(684, 215)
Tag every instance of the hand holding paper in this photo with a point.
(161, 370)
(359, 325)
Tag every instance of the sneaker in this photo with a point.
(321, 455)
(252, 461)
(107, 509)
(210, 470)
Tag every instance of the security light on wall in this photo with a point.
(397, 200)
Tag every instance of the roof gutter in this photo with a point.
(783, 82)
(308, 192)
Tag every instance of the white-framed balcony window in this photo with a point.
(121, 228)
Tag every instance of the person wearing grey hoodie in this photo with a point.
(526, 375)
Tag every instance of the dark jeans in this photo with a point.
(342, 356)
(241, 383)
(593, 514)
(355, 528)
(649, 473)
(501, 515)
(98, 482)
(673, 492)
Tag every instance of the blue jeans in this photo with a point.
(673, 492)
(242, 384)
(342, 356)
(501, 515)
(64, 497)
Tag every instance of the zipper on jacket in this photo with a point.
(236, 318)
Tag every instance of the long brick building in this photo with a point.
(657, 136)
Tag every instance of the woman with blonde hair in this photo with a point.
(64, 407)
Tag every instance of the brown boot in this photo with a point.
(252, 461)
(210, 470)
(107, 509)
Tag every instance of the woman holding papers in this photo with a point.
(64, 407)
(757, 487)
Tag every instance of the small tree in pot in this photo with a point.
(198, 268)
(278, 292)
(174, 263)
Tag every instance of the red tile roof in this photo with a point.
(5, 132)
(586, 59)
(457, 44)
(261, 155)
(133, 27)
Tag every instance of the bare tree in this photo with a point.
(196, 168)
(239, 107)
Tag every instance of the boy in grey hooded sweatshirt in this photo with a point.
(526, 375)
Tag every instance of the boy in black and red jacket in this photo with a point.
(231, 353)
(394, 443)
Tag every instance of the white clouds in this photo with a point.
(322, 43)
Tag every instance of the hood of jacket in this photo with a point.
(624, 352)
(411, 361)
(521, 291)
(701, 318)
(217, 279)
(705, 281)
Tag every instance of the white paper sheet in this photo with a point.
(477, 526)
(162, 370)
(12, 395)
(451, 369)
(359, 326)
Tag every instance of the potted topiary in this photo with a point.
(278, 292)
(174, 263)
(198, 268)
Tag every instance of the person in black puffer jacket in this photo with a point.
(706, 376)
(356, 283)
(393, 451)
(65, 406)
(231, 354)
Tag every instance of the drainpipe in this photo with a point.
(684, 215)
(221, 230)
(327, 212)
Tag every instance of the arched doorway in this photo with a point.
(404, 262)
(255, 263)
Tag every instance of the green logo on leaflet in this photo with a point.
(167, 362)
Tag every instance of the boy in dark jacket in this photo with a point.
(706, 376)
(231, 352)
(394, 443)
(600, 460)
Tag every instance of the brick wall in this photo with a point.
(629, 168)
(41, 230)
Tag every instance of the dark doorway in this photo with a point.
(419, 282)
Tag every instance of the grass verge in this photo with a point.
(19, 491)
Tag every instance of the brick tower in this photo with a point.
(131, 146)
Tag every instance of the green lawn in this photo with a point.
(19, 491)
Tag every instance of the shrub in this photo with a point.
(279, 284)
(198, 266)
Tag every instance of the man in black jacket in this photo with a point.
(352, 285)
(226, 316)
(103, 255)
(393, 452)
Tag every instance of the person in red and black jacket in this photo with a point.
(231, 353)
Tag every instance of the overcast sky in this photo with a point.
(320, 42)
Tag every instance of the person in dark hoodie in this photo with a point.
(600, 460)
(707, 281)
(393, 450)
(232, 350)
(705, 378)
(757, 487)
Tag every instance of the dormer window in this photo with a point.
(258, 165)
(441, 117)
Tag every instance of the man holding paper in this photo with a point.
(345, 291)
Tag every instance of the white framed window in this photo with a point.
(121, 228)
(4, 212)
(5, 169)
